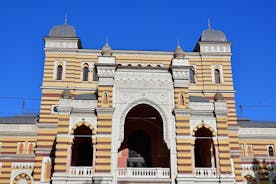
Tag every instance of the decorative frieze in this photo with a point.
(68, 43)
(104, 110)
(67, 106)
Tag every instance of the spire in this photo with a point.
(65, 18)
(209, 24)
(178, 53)
(106, 50)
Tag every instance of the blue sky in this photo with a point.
(140, 25)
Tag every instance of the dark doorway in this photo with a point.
(204, 148)
(139, 150)
(82, 149)
(143, 144)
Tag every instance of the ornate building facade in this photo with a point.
(124, 116)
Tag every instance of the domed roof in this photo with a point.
(178, 53)
(218, 97)
(64, 31)
(66, 94)
(212, 35)
(106, 50)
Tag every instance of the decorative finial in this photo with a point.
(106, 39)
(65, 18)
(106, 50)
(178, 53)
(209, 24)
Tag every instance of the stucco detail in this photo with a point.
(143, 86)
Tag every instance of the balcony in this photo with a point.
(81, 171)
(144, 173)
(205, 172)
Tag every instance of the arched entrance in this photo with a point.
(143, 144)
(82, 149)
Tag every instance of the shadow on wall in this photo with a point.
(264, 172)
(53, 156)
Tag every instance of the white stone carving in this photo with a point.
(221, 109)
(195, 121)
(181, 74)
(67, 106)
(180, 62)
(22, 181)
(70, 44)
(91, 119)
(19, 168)
(143, 173)
(18, 129)
(105, 71)
(104, 59)
(215, 48)
(143, 86)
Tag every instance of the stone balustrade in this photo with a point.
(81, 171)
(143, 173)
(205, 172)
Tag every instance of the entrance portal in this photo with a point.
(143, 144)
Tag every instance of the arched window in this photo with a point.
(105, 98)
(192, 76)
(270, 151)
(181, 99)
(85, 72)
(217, 76)
(31, 148)
(204, 149)
(59, 72)
(20, 148)
(95, 75)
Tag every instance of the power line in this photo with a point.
(18, 98)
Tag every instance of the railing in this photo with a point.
(22, 165)
(81, 171)
(205, 172)
(249, 167)
(143, 172)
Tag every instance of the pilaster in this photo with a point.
(106, 66)
(62, 144)
(184, 143)
(221, 141)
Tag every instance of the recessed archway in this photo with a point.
(143, 144)
(204, 149)
(82, 149)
